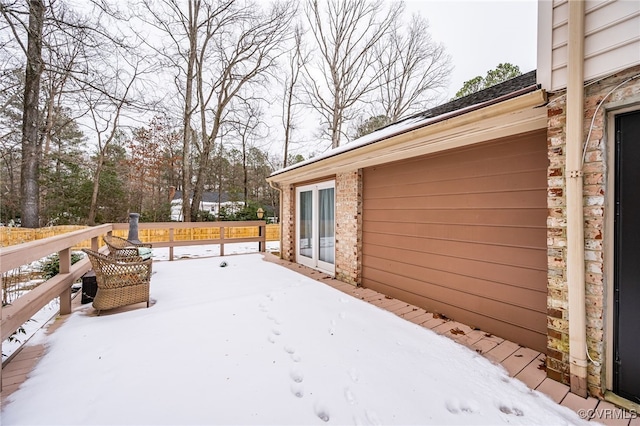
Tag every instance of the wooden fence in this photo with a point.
(15, 235)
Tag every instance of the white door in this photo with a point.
(315, 226)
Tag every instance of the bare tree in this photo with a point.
(182, 28)
(241, 57)
(346, 33)
(296, 60)
(413, 69)
(30, 142)
(218, 47)
(246, 123)
(106, 110)
(72, 52)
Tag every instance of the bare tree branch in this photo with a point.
(346, 33)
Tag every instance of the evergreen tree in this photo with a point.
(502, 72)
(63, 174)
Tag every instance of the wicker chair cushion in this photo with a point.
(145, 252)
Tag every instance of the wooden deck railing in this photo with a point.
(10, 236)
(174, 234)
(177, 234)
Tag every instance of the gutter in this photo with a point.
(575, 211)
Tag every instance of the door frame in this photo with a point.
(314, 262)
(609, 243)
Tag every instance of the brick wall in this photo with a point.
(348, 217)
(288, 221)
(594, 195)
(349, 227)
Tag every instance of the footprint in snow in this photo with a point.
(297, 390)
(455, 406)
(349, 396)
(342, 315)
(511, 410)
(296, 375)
(322, 412)
(289, 349)
(276, 332)
(273, 318)
(332, 328)
(344, 300)
(355, 376)
(295, 357)
(372, 417)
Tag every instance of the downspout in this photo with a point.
(575, 212)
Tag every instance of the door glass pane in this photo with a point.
(326, 232)
(305, 224)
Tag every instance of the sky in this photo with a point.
(477, 35)
(480, 34)
(257, 343)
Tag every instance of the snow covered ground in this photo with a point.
(256, 343)
(51, 309)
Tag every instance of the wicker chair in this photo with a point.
(121, 280)
(121, 247)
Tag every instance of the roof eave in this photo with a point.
(514, 113)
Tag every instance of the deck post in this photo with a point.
(170, 244)
(262, 233)
(64, 258)
(222, 241)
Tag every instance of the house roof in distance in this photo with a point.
(207, 197)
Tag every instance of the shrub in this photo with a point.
(51, 267)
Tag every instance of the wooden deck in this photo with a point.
(522, 363)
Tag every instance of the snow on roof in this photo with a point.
(507, 90)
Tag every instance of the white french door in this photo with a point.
(315, 226)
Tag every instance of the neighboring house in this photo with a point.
(494, 211)
(211, 203)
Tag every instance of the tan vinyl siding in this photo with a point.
(612, 40)
(463, 233)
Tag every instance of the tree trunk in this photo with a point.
(245, 176)
(93, 208)
(194, 8)
(30, 119)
